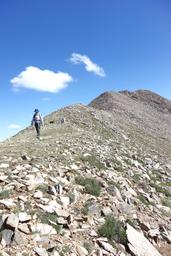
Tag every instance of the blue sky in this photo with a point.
(55, 53)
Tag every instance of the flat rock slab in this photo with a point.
(24, 217)
(44, 229)
(12, 220)
(138, 244)
(9, 203)
(106, 246)
(81, 251)
(6, 237)
(4, 165)
(41, 251)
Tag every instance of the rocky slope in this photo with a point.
(97, 184)
(150, 98)
(142, 111)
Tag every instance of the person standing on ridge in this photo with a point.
(37, 121)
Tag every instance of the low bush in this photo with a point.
(93, 161)
(113, 229)
(92, 186)
(4, 194)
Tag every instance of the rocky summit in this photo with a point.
(97, 183)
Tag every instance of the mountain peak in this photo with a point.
(150, 98)
(106, 100)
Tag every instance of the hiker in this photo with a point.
(37, 121)
(62, 120)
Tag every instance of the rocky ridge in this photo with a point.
(97, 184)
(150, 98)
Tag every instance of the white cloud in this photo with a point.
(14, 126)
(41, 80)
(77, 58)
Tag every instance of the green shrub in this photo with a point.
(46, 217)
(113, 229)
(4, 194)
(43, 188)
(143, 199)
(136, 177)
(91, 185)
(166, 202)
(93, 161)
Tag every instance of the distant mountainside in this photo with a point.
(144, 109)
(150, 98)
(98, 183)
(106, 100)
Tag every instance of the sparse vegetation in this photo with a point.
(65, 249)
(161, 189)
(84, 210)
(143, 199)
(89, 246)
(28, 207)
(71, 197)
(130, 222)
(113, 183)
(43, 188)
(166, 202)
(119, 169)
(136, 178)
(4, 194)
(166, 184)
(17, 208)
(155, 176)
(92, 186)
(93, 161)
(46, 217)
(113, 229)
(50, 218)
